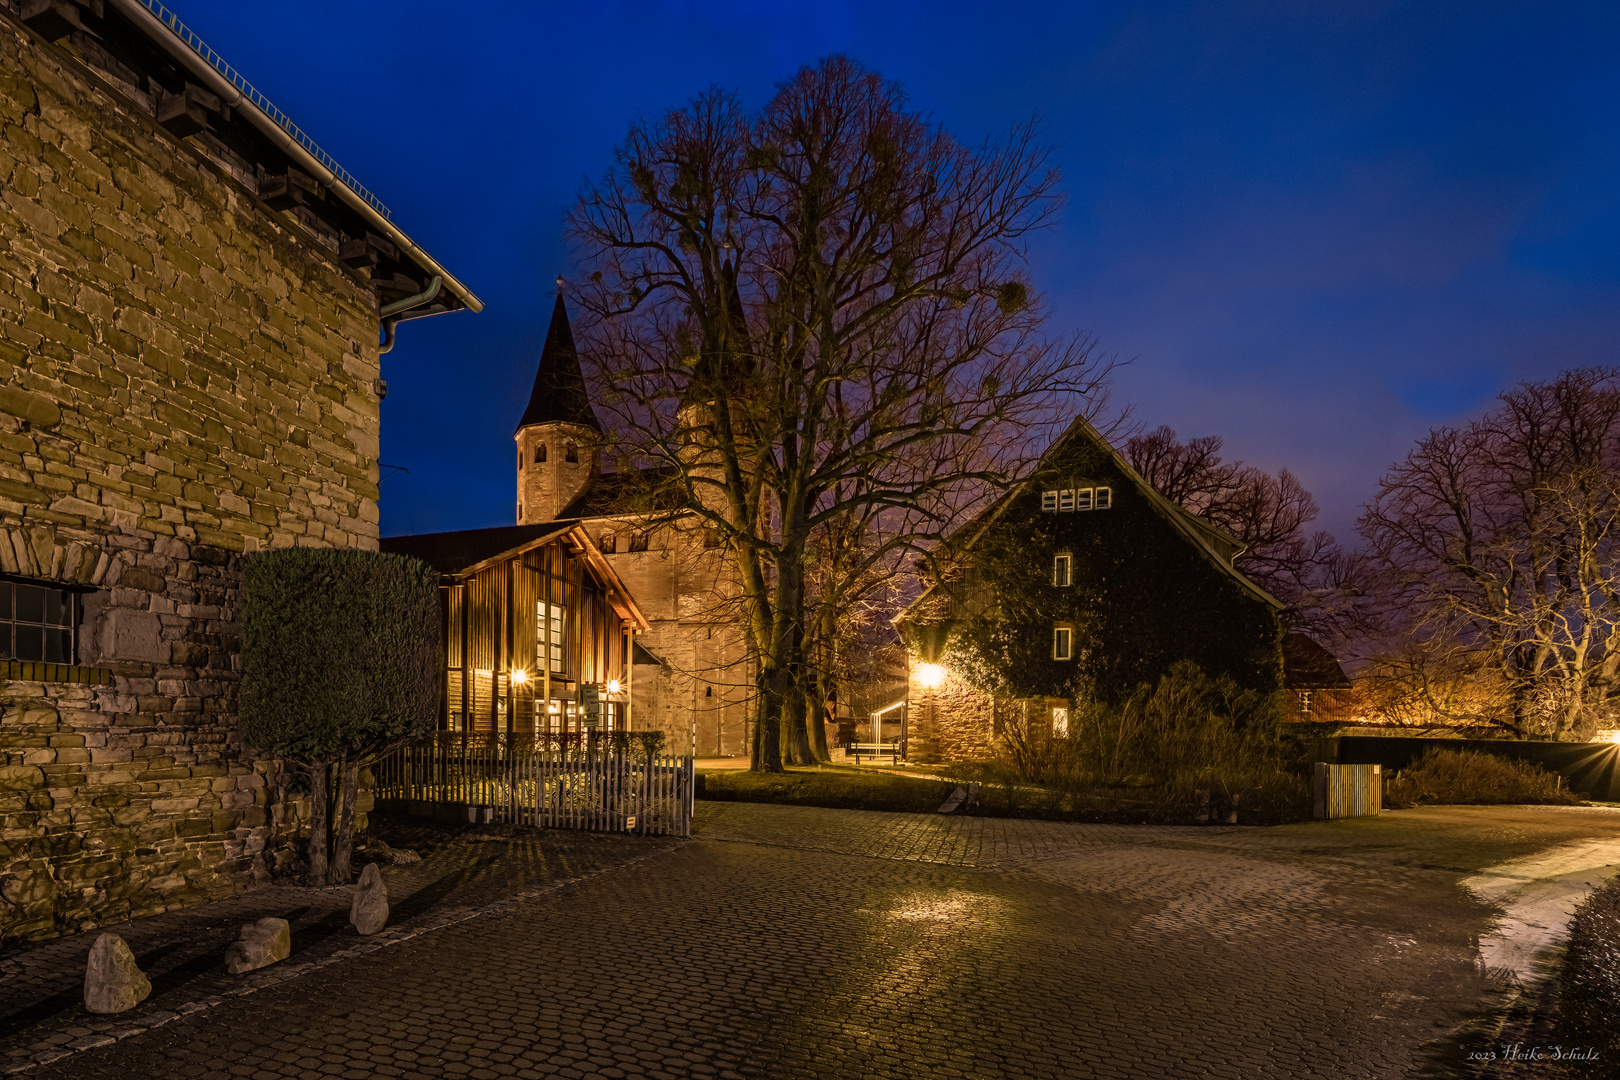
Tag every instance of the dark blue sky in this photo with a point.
(1316, 228)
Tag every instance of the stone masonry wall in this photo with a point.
(185, 375)
(950, 722)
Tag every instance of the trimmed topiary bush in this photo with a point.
(1469, 777)
(341, 661)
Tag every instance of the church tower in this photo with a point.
(558, 438)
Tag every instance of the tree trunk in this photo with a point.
(319, 819)
(766, 754)
(343, 835)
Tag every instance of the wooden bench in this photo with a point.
(858, 750)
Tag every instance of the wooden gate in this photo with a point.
(565, 787)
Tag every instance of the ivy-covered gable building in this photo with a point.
(1082, 583)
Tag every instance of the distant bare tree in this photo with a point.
(814, 313)
(1269, 514)
(1498, 544)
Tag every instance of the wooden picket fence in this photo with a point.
(560, 787)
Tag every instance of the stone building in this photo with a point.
(695, 676)
(191, 300)
(1085, 582)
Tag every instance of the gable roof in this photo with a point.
(559, 395)
(460, 555)
(613, 495)
(1215, 545)
(1309, 666)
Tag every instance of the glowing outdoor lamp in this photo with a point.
(520, 676)
(613, 686)
(930, 676)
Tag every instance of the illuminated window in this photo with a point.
(1063, 570)
(571, 453)
(1082, 499)
(540, 453)
(1049, 502)
(1105, 498)
(1062, 642)
(1060, 721)
(36, 622)
(549, 635)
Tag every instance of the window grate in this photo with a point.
(37, 622)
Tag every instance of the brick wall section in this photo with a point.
(185, 375)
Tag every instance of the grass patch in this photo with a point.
(1468, 777)
(841, 788)
(1589, 985)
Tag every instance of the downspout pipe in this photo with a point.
(391, 313)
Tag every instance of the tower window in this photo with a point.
(1105, 498)
(540, 454)
(1063, 570)
(1062, 642)
(571, 454)
(520, 459)
(608, 543)
(638, 541)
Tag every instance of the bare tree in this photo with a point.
(1268, 514)
(817, 311)
(1498, 543)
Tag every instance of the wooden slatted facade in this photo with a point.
(512, 599)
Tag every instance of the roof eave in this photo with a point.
(137, 13)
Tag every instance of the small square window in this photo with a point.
(1063, 643)
(608, 544)
(638, 541)
(1066, 500)
(1082, 499)
(1049, 502)
(1105, 498)
(1062, 570)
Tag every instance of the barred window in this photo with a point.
(1082, 499)
(1105, 498)
(37, 622)
(1063, 570)
(1049, 502)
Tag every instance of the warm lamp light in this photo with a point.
(613, 686)
(520, 676)
(929, 676)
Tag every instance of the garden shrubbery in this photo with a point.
(1191, 749)
(1469, 777)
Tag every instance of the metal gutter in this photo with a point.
(164, 28)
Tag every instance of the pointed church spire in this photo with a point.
(559, 394)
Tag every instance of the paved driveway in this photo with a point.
(792, 942)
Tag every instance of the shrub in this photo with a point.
(341, 659)
(1190, 748)
(1470, 777)
(1589, 986)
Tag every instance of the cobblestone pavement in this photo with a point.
(792, 942)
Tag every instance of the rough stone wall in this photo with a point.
(545, 488)
(701, 693)
(950, 722)
(185, 375)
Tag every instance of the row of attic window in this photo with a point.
(1070, 500)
